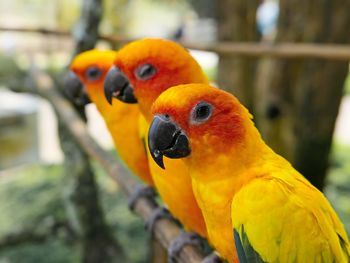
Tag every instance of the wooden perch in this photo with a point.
(39, 30)
(279, 50)
(165, 230)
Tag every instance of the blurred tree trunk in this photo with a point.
(97, 241)
(299, 99)
(86, 31)
(237, 22)
(204, 8)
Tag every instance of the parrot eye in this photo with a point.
(201, 113)
(93, 73)
(145, 72)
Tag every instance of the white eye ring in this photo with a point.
(201, 113)
(145, 72)
(93, 73)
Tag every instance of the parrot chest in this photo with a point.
(175, 188)
(216, 208)
(123, 126)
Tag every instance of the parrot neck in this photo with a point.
(225, 175)
(110, 113)
(145, 102)
(96, 95)
(146, 112)
(212, 163)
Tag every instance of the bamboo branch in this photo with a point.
(38, 30)
(279, 50)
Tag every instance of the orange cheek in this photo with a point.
(221, 134)
(145, 91)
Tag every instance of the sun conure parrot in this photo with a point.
(122, 120)
(255, 204)
(142, 70)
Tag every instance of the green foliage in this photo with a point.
(33, 194)
(338, 182)
(211, 73)
(53, 251)
(28, 198)
(67, 14)
(115, 17)
(347, 85)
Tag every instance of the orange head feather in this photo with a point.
(213, 120)
(224, 125)
(121, 119)
(90, 60)
(91, 68)
(171, 64)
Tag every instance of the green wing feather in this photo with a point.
(245, 251)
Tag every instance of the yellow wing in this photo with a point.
(286, 220)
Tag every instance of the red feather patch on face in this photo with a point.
(224, 127)
(173, 65)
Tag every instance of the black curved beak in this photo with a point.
(117, 85)
(74, 90)
(166, 138)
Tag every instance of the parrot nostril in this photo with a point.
(116, 93)
(167, 116)
(156, 153)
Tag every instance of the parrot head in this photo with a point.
(87, 73)
(145, 68)
(197, 119)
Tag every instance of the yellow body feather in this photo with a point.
(122, 120)
(174, 65)
(242, 186)
(175, 187)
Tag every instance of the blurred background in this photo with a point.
(301, 105)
